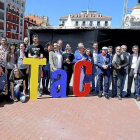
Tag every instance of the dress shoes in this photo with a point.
(127, 95)
(92, 90)
(100, 95)
(107, 96)
(135, 96)
(119, 97)
(97, 91)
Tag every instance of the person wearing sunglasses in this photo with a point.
(36, 51)
(125, 53)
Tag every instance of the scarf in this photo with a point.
(115, 58)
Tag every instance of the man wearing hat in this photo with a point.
(68, 65)
(104, 63)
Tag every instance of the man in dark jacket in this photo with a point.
(119, 62)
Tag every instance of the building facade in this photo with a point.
(40, 20)
(28, 22)
(88, 19)
(133, 20)
(12, 20)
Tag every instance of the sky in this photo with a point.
(55, 9)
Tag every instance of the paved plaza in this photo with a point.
(72, 118)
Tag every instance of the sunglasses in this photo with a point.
(124, 48)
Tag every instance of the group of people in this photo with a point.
(107, 68)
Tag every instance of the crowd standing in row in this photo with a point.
(107, 68)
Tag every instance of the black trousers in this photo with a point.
(69, 75)
(4, 97)
(8, 76)
(26, 77)
(130, 80)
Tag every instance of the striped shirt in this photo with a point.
(3, 56)
(3, 81)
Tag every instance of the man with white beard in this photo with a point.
(119, 62)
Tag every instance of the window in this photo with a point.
(20, 22)
(106, 23)
(11, 26)
(1, 34)
(17, 1)
(63, 22)
(7, 26)
(90, 23)
(13, 0)
(98, 23)
(91, 15)
(1, 5)
(76, 23)
(84, 15)
(83, 23)
(77, 15)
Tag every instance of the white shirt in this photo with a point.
(134, 61)
(95, 53)
(59, 57)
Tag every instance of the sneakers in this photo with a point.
(39, 94)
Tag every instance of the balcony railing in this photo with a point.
(9, 10)
(2, 7)
(8, 29)
(13, 31)
(2, 28)
(8, 19)
(17, 22)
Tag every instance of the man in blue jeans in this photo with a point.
(95, 53)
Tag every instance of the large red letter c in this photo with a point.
(76, 78)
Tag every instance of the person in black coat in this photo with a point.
(68, 66)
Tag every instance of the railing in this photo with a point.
(17, 22)
(9, 20)
(17, 31)
(13, 31)
(8, 29)
(21, 24)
